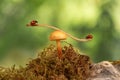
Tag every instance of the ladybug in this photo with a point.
(33, 23)
(89, 36)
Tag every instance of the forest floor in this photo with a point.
(72, 66)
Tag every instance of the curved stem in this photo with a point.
(59, 49)
(52, 27)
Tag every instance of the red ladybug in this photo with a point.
(33, 23)
(89, 36)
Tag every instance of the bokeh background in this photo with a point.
(19, 43)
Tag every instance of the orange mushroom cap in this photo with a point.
(58, 35)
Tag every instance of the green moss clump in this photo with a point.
(47, 66)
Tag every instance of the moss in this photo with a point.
(47, 66)
(72, 66)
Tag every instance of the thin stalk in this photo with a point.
(55, 28)
(59, 49)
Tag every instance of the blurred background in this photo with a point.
(19, 43)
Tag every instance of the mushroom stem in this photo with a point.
(59, 49)
(55, 28)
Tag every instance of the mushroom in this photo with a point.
(57, 36)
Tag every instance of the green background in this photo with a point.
(19, 43)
